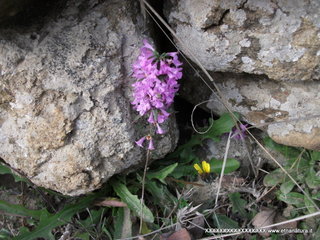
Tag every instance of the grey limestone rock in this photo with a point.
(280, 38)
(287, 111)
(267, 54)
(262, 102)
(65, 114)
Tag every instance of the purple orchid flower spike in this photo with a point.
(156, 84)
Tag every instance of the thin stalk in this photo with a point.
(142, 189)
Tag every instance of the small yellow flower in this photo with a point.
(198, 168)
(205, 167)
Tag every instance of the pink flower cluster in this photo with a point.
(156, 85)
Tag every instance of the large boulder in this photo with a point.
(278, 38)
(65, 115)
(289, 112)
(267, 54)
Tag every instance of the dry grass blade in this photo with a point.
(185, 213)
(143, 9)
(222, 170)
(111, 202)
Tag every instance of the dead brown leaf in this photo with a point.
(232, 181)
(197, 227)
(280, 218)
(111, 202)
(264, 218)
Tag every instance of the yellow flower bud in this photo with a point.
(205, 167)
(198, 168)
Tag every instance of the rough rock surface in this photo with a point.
(268, 56)
(65, 114)
(262, 102)
(279, 38)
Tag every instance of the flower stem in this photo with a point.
(142, 189)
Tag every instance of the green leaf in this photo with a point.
(122, 224)
(93, 219)
(160, 193)
(238, 204)
(83, 236)
(316, 196)
(6, 170)
(231, 165)
(24, 233)
(286, 187)
(288, 152)
(187, 155)
(145, 229)
(222, 221)
(223, 125)
(309, 204)
(293, 198)
(106, 232)
(5, 234)
(51, 221)
(315, 156)
(220, 126)
(183, 171)
(21, 211)
(119, 219)
(132, 201)
(312, 180)
(162, 173)
(273, 178)
(300, 237)
(183, 150)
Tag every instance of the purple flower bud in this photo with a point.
(140, 141)
(163, 116)
(159, 130)
(151, 147)
(151, 118)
